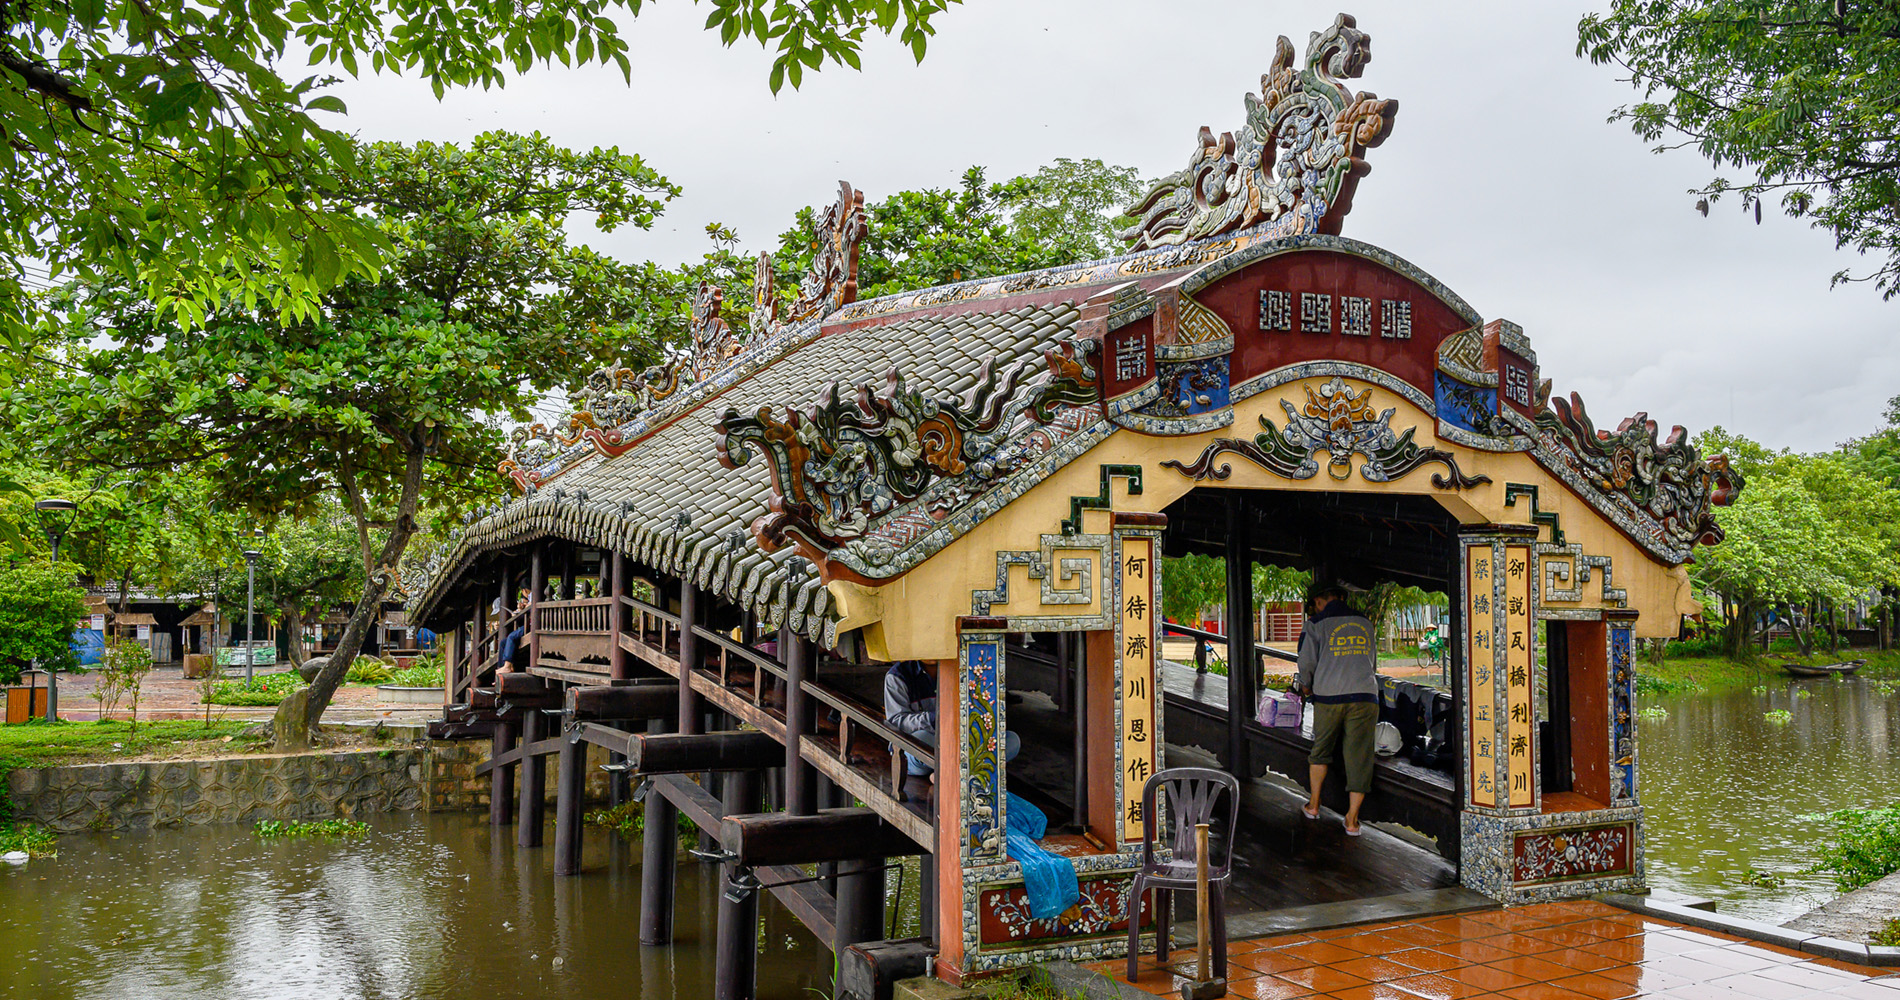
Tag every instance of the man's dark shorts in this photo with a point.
(1350, 730)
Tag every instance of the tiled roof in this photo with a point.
(668, 504)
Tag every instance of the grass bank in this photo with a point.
(1676, 674)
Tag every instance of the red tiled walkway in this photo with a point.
(1552, 951)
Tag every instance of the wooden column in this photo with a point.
(537, 582)
(689, 657)
(1243, 680)
(739, 794)
(659, 854)
(801, 786)
(617, 668)
(452, 657)
(567, 572)
(570, 790)
(735, 961)
(1076, 662)
(534, 781)
(860, 907)
(501, 781)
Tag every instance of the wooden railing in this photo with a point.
(855, 717)
(586, 616)
(484, 655)
(1205, 637)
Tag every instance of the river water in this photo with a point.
(423, 907)
(1726, 790)
(430, 906)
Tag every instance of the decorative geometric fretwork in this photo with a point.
(1077, 505)
(1040, 562)
(1514, 490)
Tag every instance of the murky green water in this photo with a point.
(1725, 789)
(424, 907)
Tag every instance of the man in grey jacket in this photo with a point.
(1338, 674)
(910, 707)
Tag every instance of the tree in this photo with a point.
(165, 143)
(1802, 96)
(1062, 214)
(39, 608)
(377, 403)
(1190, 584)
(1810, 533)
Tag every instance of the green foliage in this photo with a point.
(1888, 935)
(1652, 684)
(1865, 846)
(1801, 96)
(419, 674)
(1191, 584)
(262, 689)
(32, 838)
(39, 606)
(171, 145)
(1778, 717)
(628, 819)
(271, 829)
(1062, 214)
(1765, 879)
(365, 670)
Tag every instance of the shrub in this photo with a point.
(264, 689)
(1652, 685)
(1865, 848)
(419, 675)
(122, 670)
(1708, 645)
(367, 670)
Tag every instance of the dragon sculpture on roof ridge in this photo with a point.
(1293, 164)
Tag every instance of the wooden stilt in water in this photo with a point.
(570, 789)
(501, 781)
(534, 783)
(860, 903)
(735, 961)
(659, 852)
(739, 794)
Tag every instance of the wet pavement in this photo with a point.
(1579, 950)
(167, 694)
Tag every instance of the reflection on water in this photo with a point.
(424, 907)
(1724, 789)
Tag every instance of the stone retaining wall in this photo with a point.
(436, 776)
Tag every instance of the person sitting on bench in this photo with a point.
(910, 707)
(1339, 675)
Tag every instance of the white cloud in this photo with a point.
(1501, 178)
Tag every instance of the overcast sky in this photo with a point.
(1501, 177)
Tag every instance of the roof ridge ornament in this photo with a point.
(1294, 163)
(830, 283)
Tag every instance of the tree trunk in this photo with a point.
(294, 623)
(376, 584)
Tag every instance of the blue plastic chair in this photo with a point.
(1192, 797)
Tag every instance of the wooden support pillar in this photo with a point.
(533, 784)
(617, 665)
(735, 960)
(689, 657)
(860, 895)
(659, 853)
(570, 790)
(536, 583)
(567, 571)
(801, 786)
(501, 781)
(739, 793)
(1243, 678)
(1077, 664)
(927, 897)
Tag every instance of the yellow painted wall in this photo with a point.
(914, 617)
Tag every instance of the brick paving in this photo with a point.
(1579, 950)
(166, 694)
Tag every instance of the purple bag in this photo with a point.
(1281, 709)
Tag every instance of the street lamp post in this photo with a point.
(250, 619)
(53, 535)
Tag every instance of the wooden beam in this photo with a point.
(832, 835)
(650, 654)
(622, 701)
(518, 685)
(526, 751)
(568, 673)
(675, 753)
